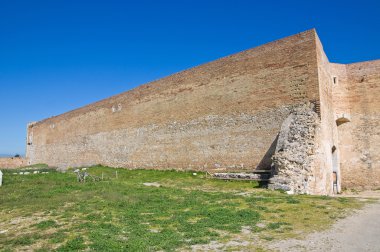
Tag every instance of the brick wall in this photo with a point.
(222, 115)
(227, 114)
(357, 100)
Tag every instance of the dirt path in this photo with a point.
(358, 232)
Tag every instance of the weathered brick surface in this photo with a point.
(350, 121)
(224, 114)
(327, 132)
(227, 115)
(357, 98)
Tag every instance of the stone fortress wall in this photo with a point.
(12, 162)
(226, 115)
(357, 112)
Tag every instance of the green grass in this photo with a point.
(46, 224)
(46, 212)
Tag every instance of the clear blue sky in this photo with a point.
(58, 55)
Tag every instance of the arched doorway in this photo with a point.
(336, 170)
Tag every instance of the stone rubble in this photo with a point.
(242, 176)
(295, 151)
(154, 184)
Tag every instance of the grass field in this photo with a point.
(45, 212)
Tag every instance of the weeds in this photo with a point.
(55, 212)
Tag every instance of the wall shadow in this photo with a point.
(266, 161)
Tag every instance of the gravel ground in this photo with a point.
(358, 232)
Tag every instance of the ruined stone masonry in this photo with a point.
(281, 107)
(295, 151)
